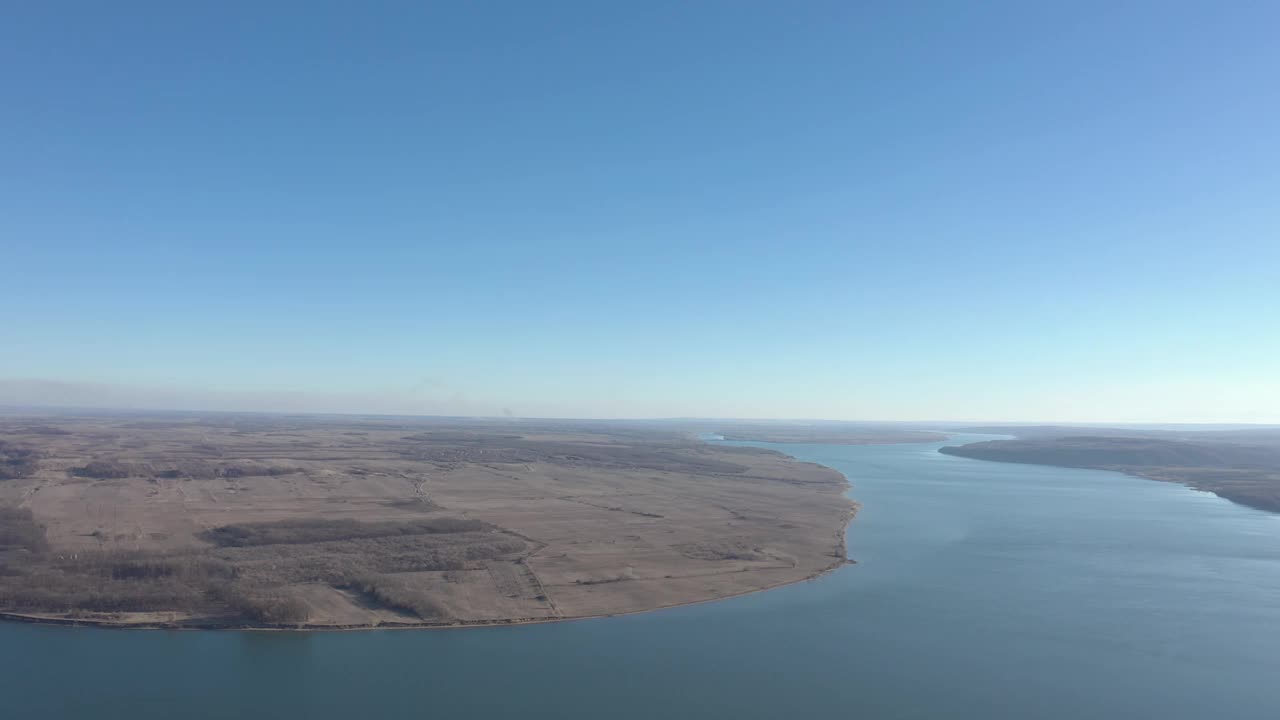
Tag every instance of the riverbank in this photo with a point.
(106, 623)
(1247, 474)
(149, 623)
(351, 526)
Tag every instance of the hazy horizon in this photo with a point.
(576, 210)
(73, 397)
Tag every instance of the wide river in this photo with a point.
(982, 590)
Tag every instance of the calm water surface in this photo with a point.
(982, 590)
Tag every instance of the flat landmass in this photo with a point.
(346, 522)
(1241, 466)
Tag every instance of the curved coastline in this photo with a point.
(33, 619)
(202, 624)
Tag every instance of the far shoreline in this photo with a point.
(1049, 453)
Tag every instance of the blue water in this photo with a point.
(982, 590)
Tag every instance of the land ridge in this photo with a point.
(1242, 467)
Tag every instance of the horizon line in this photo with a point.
(90, 409)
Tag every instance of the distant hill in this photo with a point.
(1248, 474)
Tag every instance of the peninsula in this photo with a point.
(354, 522)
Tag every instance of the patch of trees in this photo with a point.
(313, 530)
(722, 550)
(139, 565)
(111, 582)
(272, 606)
(392, 592)
(16, 462)
(460, 436)
(420, 504)
(117, 582)
(47, 590)
(270, 471)
(341, 562)
(41, 430)
(253, 582)
(198, 470)
(105, 469)
(507, 449)
(603, 581)
(108, 470)
(20, 531)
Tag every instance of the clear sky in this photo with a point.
(846, 210)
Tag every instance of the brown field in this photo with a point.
(323, 522)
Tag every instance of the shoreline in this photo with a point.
(1169, 476)
(206, 625)
(249, 627)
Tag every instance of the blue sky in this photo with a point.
(989, 211)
